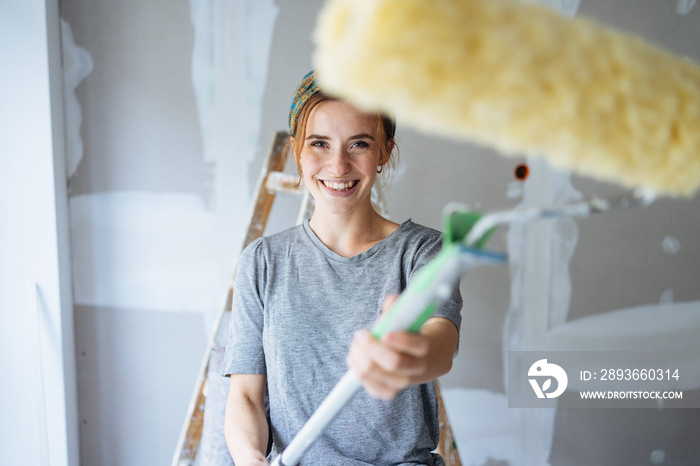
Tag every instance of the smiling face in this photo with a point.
(340, 156)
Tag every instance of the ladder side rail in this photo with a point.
(191, 433)
(447, 446)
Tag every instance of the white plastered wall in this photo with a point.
(38, 412)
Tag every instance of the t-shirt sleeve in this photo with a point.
(427, 249)
(244, 346)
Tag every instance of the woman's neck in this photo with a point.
(350, 235)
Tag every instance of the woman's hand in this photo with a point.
(399, 359)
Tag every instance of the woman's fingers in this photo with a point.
(389, 365)
(374, 379)
(413, 344)
(386, 367)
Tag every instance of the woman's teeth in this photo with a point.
(339, 186)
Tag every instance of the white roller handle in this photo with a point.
(341, 394)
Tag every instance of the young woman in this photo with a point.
(303, 297)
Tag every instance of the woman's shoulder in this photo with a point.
(273, 244)
(284, 237)
(416, 232)
(416, 240)
(417, 244)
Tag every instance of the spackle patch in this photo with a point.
(77, 65)
(143, 250)
(666, 297)
(683, 7)
(485, 429)
(671, 245)
(515, 190)
(657, 456)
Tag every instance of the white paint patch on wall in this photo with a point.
(666, 297)
(483, 426)
(563, 243)
(671, 245)
(684, 7)
(232, 41)
(77, 65)
(142, 250)
(229, 72)
(203, 73)
(539, 253)
(260, 16)
(652, 327)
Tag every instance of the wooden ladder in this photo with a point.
(272, 180)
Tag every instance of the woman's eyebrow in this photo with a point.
(363, 136)
(357, 136)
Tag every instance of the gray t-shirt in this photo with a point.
(296, 305)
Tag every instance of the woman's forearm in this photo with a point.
(245, 425)
(443, 337)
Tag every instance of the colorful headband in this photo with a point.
(306, 88)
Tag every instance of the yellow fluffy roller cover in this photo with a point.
(523, 79)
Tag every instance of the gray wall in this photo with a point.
(178, 110)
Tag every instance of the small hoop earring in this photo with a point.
(381, 167)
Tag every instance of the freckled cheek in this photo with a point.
(369, 166)
(310, 165)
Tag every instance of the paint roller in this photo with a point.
(522, 79)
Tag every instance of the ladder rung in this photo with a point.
(283, 182)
